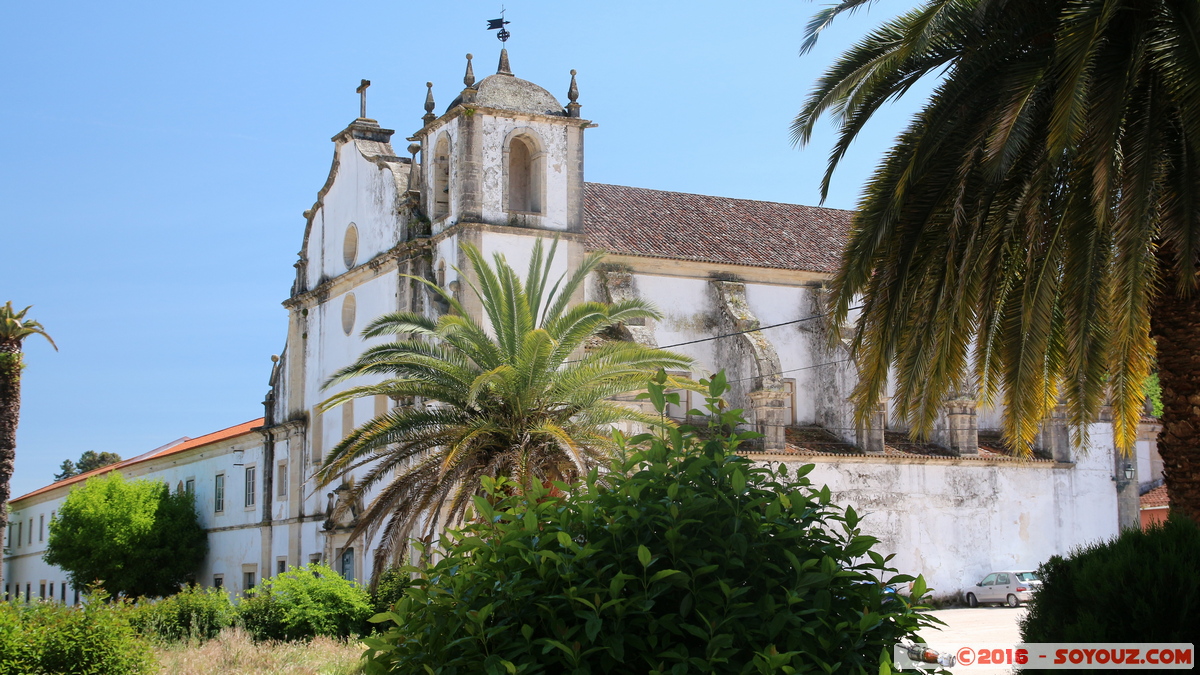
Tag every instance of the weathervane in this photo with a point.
(493, 24)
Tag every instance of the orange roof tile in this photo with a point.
(1156, 498)
(169, 449)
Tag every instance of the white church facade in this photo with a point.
(741, 286)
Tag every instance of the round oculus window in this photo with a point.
(350, 246)
(349, 309)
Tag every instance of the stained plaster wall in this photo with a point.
(552, 139)
(956, 520)
(692, 311)
(362, 193)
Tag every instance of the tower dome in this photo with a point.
(505, 91)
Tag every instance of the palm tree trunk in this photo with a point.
(10, 409)
(1175, 325)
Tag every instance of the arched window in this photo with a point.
(441, 177)
(524, 176)
(441, 273)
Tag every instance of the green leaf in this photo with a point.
(643, 555)
(663, 574)
(738, 481)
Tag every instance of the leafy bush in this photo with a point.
(1138, 587)
(305, 602)
(134, 538)
(684, 558)
(389, 588)
(46, 637)
(195, 613)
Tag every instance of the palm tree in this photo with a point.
(1036, 228)
(14, 328)
(530, 400)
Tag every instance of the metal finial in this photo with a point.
(573, 96)
(469, 78)
(504, 68)
(429, 104)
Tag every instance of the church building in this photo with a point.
(741, 285)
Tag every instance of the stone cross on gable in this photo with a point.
(362, 98)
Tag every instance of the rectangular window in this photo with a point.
(76, 596)
(281, 565)
(317, 430)
(20, 532)
(42, 527)
(63, 591)
(9, 541)
(51, 590)
(347, 418)
(31, 531)
(249, 486)
(7, 590)
(219, 493)
(281, 481)
(218, 580)
(42, 590)
(247, 580)
(189, 486)
(28, 592)
(789, 417)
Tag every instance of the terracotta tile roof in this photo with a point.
(637, 221)
(169, 449)
(1156, 498)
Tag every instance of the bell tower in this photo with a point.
(505, 152)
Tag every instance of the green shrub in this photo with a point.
(135, 536)
(1138, 587)
(389, 588)
(46, 637)
(684, 558)
(305, 602)
(194, 613)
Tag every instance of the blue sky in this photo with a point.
(157, 157)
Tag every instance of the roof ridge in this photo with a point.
(734, 199)
(179, 445)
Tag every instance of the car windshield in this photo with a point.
(1028, 576)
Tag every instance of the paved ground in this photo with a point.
(975, 626)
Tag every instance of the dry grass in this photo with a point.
(234, 653)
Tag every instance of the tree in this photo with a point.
(520, 402)
(135, 538)
(1036, 228)
(88, 461)
(682, 557)
(14, 328)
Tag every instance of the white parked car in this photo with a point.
(1011, 588)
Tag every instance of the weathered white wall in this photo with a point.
(362, 193)
(955, 520)
(552, 139)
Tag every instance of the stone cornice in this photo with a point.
(388, 261)
(693, 269)
(462, 109)
(461, 227)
